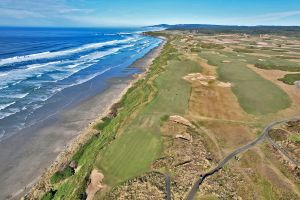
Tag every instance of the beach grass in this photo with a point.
(255, 94)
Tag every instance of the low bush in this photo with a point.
(290, 78)
(61, 175)
(48, 195)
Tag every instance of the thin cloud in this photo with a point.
(19, 14)
(276, 16)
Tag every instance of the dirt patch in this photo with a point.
(215, 102)
(181, 120)
(95, 184)
(229, 135)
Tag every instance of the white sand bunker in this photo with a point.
(180, 120)
(226, 61)
(223, 84)
(204, 80)
(95, 184)
(184, 136)
(198, 76)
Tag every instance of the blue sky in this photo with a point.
(83, 13)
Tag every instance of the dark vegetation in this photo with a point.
(272, 66)
(48, 195)
(195, 50)
(290, 78)
(243, 50)
(105, 121)
(211, 46)
(61, 175)
(291, 31)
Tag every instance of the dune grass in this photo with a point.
(255, 94)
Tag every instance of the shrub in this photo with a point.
(195, 50)
(103, 124)
(290, 78)
(243, 50)
(61, 175)
(48, 195)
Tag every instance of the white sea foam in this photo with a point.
(9, 113)
(14, 96)
(47, 55)
(110, 34)
(3, 106)
(99, 54)
(3, 74)
(81, 81)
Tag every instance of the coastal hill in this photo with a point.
(212, 29)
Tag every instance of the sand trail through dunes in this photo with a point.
(95, 184)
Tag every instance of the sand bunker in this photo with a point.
(223, 84)
(204, 80)
(198, 76)
(184, 136)
(95, 184)
(181, 120)
(226, 61)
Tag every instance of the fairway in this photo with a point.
(255, 94)
(133, 151)
(130, 155)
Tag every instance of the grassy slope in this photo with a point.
(134, 151)
(255, 94)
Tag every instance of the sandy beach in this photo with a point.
(24, 157)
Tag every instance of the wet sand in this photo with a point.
(25, 156)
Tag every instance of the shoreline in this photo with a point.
(41, 183)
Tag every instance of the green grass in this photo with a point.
(267, 190)
(195, 50)
(76, 157)
(290, 78)
(255, 94)
(105, 121)
(294, 138)
(133, 152)
(61, 175)
(279, 64)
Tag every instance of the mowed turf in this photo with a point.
(255, 94)
(133, 152)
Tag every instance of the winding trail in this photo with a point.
(221, 164)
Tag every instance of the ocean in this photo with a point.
(41, 69)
